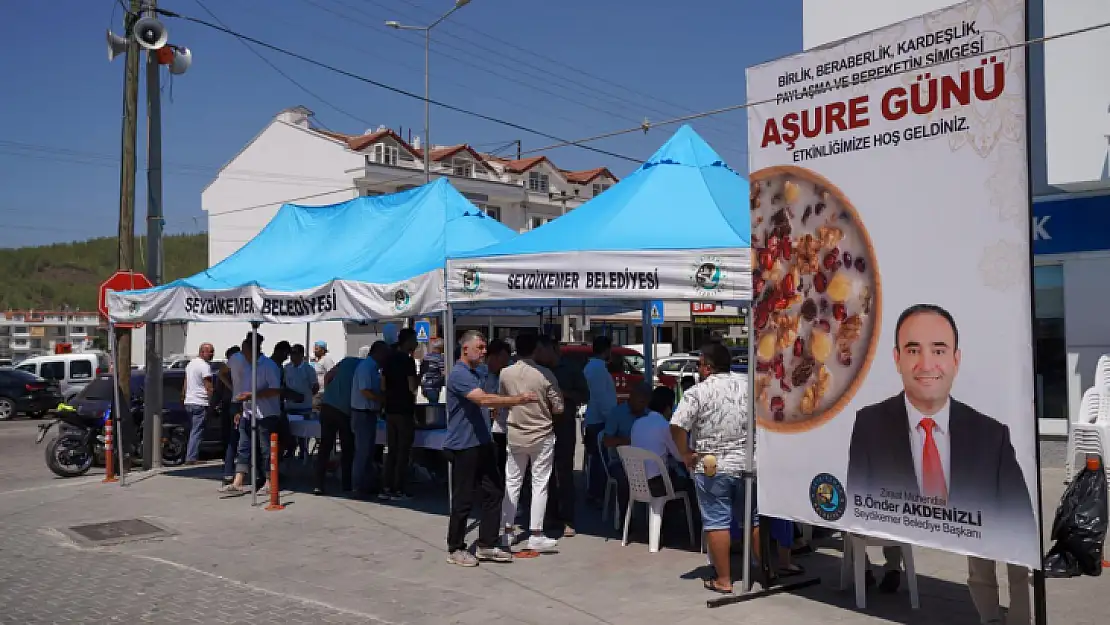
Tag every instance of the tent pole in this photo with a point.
(449, 337)
(254, 413)
(649, 348)
(749, 454)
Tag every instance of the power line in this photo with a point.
(577, 72)
(282, 73)
(391, 88)
(646, 126)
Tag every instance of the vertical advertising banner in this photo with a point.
(890, 229)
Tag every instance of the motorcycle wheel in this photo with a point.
(65, 456)
(173, 450)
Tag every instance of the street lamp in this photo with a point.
(427, 30)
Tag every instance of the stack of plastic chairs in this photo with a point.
(1090, 428)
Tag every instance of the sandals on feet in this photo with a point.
(711, 585)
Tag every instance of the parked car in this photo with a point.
(626, 365)
(72, 372)
(96, 397)
(22, 392)
(739, 358)
(670, 370)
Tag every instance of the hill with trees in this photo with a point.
(50, 277)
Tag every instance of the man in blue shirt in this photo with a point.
(603, 399)
(366, 406)
(335, 418)
(470, 449)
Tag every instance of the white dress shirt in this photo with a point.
(942, 436)
(603, 392)
(653, 433)
(300, 378)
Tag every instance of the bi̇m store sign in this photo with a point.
(1072, 225)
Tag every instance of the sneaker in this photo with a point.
(462, 557)
(402, 496)
(568, 532)
(494, 554)
(385, 496)
(542, 543)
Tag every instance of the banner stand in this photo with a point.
(768, 585)
(254, 413)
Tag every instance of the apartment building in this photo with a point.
(292, 160)
(24, 334)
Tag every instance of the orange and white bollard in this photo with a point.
(275, 490)
(109, 463)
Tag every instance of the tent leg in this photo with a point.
(118, 427)
(649, 348)
(254, 413)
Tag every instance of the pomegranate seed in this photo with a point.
(779, 416)
(847, 259)
(758, 284)
(766, 260)
(787, 248)
(773, 244)
(829, 261)
(860, 265)
(762, 366)
(778, 359)
(761, 318)
(788, 283)
(784, 385)
(777, 403)
(840, 313)
(824, 325)
(819, 208)
(780, 370)
(844, 358)
(799, 345)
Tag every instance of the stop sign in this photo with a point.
(121, 281)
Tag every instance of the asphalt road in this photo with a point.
(22, 462)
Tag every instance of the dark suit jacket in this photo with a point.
(983, 471)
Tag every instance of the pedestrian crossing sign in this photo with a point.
(657, 312)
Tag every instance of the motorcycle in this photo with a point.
(81, 439)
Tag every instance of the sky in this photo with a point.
(571, 69)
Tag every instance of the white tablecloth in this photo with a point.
(310, 428)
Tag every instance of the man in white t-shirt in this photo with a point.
(652, 432)
(323, 362)
(267, 402)
(301, 378)
(197, 391)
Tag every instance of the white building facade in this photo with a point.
(293, 161)
(1070, 157)
(28, 333)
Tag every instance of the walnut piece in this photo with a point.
(849, 330)
(762, 383)
(807, 250)
(815, 392)
(830, 236)
(787, 330)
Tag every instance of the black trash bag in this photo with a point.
(1079, 528)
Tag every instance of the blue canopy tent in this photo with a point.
(675, 229)
(364, 259)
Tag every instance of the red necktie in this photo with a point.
(932, 472)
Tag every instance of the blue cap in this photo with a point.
(321, 344)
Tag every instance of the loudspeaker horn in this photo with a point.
(116, 45)
(182, 59)
(150, 33)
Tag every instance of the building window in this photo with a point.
(462, 168)
(20, 330)
(1051, 366)
(371, 193)
(491, 211)
(385, 154)
(537, 221)
(537, 182)
(600, 188)
(78, 329)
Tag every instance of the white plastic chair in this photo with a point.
(1090, 433)
(611, 485)
(635, 462)
(1102, 373)
(854, 564)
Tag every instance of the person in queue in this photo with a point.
(222, 397)
(432, 371)
(236, 377)
(498, 355)
(266, 402)
(531, 435)
(399, 382)
(603, 399)
(714, 413)
(195, 396)
(469, 447)
(335, 418)
(576, 393)
(322, 362)
(366, 406)
(652, 432)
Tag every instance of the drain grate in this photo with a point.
(115, 532)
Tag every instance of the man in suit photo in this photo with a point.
(923, 443)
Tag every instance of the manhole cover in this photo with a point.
(114, 532)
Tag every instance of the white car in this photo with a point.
(670, 370)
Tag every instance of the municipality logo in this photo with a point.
(827, 496)
(471, 280)
(708, 276)
(133, 309)
(401, 299)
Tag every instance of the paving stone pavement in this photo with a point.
(335, 560)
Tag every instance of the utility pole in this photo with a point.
(126, 232)
(152, 400)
